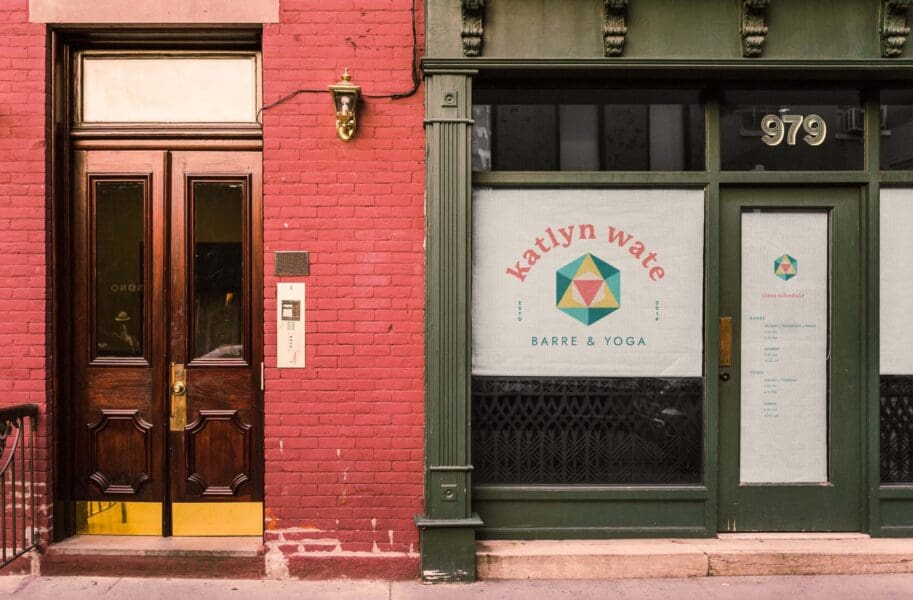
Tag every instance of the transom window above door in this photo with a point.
(154, 88)
(587, 130)
(523, 128)
(792, 130)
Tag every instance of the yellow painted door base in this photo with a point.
(105, 517)
(217, 518)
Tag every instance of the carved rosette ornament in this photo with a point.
(894, 30)
(754, 31)
(614, 29)
(473, 27)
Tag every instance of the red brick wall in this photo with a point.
(344, 436)
(24, 319)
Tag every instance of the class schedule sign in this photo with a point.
(592, 283)
(784, 347)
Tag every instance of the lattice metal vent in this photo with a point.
(594, 430)
(896, 429)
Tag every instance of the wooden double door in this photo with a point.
(167, 342)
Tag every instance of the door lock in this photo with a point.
(178, 388)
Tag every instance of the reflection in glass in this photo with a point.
(587, 130)
(218, 224)
(119, 208)
(790, 130)
(579, 145)
(481, 138)
(527, 137)
(896, 130)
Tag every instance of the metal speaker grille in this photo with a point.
(292, 264)
(896, 428)
(587, 431)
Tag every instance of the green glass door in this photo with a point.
(790, 371)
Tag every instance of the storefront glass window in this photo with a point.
(587, 336)
(587, 130)
(786, 130)
(896, 330)
(896, 130)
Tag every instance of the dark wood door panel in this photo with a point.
(118, 321)
(112, 387)
(219, 448)
(120, 452)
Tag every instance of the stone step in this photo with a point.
(728, 555)
(230, 557)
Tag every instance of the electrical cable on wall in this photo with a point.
(416, 79)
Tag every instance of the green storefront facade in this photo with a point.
(719, 134)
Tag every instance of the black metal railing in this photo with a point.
(18, 527)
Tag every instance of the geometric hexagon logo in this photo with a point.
(786, 267)
(588, 289)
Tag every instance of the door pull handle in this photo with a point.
(178, 397)
(725, 342)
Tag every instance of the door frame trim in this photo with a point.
(62, 140)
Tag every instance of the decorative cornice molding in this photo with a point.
(473, 26)
(894, 29)
(753, 30)
(613, 28)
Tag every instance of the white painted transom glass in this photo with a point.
(175, 88)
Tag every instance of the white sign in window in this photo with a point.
(784, 341)
(587, 282)
(896, 273)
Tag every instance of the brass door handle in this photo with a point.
(178, 389)
(725, 342)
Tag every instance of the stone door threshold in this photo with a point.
(727, 555)
(123, 545)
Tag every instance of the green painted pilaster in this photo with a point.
(448, 525)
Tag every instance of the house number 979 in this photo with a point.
(776, 129)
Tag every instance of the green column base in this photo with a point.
(448, 549)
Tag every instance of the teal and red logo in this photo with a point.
(786, 267)
(588, 289)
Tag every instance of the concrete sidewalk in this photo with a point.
(837, 587)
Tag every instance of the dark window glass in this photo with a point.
(787, 130)
(587, 130)
(897, 130)
(587, 430)
(119, 272)
(218, 226)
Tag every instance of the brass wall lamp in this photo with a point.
(345, 97)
